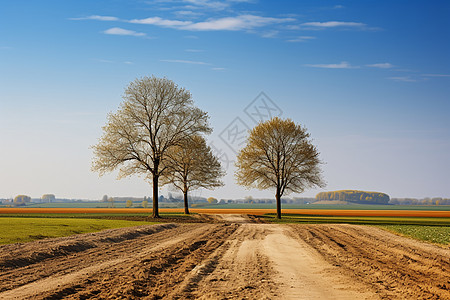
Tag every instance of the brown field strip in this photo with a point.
(317, 212)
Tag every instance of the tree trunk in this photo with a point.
(186, 204)
(278, 198)
(155, 213)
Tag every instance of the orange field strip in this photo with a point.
(320, 212)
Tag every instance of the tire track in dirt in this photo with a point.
(266, 261)
(158, 275)
(397, 267)
(63, 272)
(13, 256)
(229, 259)
(45, 258)
(304, 274)
(236, 270)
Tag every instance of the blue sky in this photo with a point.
(369, 79)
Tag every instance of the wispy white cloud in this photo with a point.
(180, 61)
(213, 5)
(106, 61)
(341, 65)
(270, 34)
(5, 48)
(403, 79)
(290, 15)
(121, 31)
(242, 22)
(161, 22)
(218, 69)
(381, 65)
(301, 39)
(217, 5)
(187, 14)
(195, 5)
(236, 23)
(292, 27)
(333, 24)
(96, 17)
(436, 75)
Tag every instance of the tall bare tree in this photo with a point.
(192, 165)
(279, 155)
(155, 115)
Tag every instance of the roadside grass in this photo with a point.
(21, 230)
(434, 234)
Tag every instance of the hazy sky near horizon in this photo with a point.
(369, 79)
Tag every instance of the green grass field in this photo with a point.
(433, 234)
(115, 216)
(20, 230)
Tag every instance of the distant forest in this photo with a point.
(354, 197)
(349, 196)
(424, 201)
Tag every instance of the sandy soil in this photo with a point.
(232, 258)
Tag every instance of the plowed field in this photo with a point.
(232, 258)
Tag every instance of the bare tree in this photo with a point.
(192, 165)
(155, 115)
(111, 202)
(279, 155)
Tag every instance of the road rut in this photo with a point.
(232, 258)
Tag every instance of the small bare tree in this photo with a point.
(279, 155)
(192, 165)
(155, 115)
(111, 202)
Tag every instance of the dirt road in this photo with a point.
(232, 258)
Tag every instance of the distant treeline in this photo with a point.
(284, 200)
(424, 201)
(354, 196)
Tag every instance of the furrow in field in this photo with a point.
(397, 267)
(60, 271)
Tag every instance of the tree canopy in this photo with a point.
(48, 198)
(279, 155)
(155, 115)
(355, 196)
(192, 165)
(22, 199)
